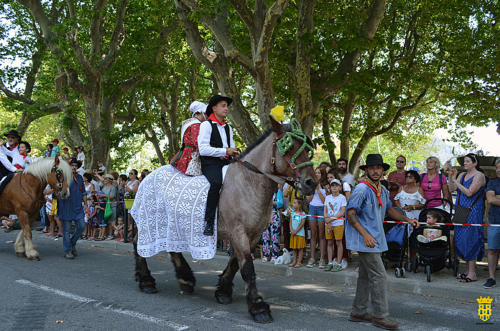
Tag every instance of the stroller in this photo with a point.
(397, 244)
(434, 255)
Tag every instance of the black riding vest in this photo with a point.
(216, 141)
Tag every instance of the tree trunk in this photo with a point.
(305, 112)
(360, 148)
(330, 145)
(153, 138)
(265, 95)
(345, 137)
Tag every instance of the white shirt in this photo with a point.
(316, 200)
(346, 187)
(349, 179)
(204, 140)
(81, 157)
(17, 158)
(333, 206)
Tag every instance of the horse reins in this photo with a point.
(284, 143)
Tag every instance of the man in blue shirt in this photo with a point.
(366, 209)
(71, 210)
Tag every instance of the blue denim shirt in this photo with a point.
(71, 209)
(370, 215)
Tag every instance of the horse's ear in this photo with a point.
(56, 160)
(276, 126)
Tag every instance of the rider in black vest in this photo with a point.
(216, 146)
(13, 138)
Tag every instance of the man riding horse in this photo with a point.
(12, 144)
(216, 145)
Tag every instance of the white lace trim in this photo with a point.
(169, 211)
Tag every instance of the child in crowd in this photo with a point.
(118, 229)
(334, 212)
(298, 235)
(346, 188)
(9, 222)
(432, 234)
(92, 218)
(100, 206)
(56, 151)
(51, 207)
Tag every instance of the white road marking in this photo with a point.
(101, 305)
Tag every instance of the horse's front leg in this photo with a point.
(19, 245)
(224, 291)
(257, 307)
(183, 273)
(147, 283)
(29, 249)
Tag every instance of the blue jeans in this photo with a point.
(68, 242)
(43, 215)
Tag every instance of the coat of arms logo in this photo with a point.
(484, 308)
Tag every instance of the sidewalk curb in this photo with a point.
(416, 285)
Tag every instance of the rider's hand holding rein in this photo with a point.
(232, 151)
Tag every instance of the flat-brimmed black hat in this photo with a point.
(13, 133)
(215, 100)
(373, 160)
(75, 160)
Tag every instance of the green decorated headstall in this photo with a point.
(285, 143)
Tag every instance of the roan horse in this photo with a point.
(23, 196)
(283, 153)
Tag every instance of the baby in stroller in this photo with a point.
(432, 234)
(433, 242)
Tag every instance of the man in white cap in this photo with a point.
(187, 159)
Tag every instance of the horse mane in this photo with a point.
(42, 168)
(260, 139)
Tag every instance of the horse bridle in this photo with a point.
(284, 143)
(59, 177)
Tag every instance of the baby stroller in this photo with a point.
(397, 243)
(434, 255)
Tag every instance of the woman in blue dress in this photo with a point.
(469, 240)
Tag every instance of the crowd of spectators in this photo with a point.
(410, 191)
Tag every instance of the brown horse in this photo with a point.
(282, 153)
(23, 196)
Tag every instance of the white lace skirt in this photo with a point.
(169, 211)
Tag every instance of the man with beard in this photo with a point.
(367, 206)
(344, 175)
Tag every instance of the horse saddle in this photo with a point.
(5, 181)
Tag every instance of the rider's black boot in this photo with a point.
(209, 228)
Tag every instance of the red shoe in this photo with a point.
(119, 239)
(360, 318)
(385, 323)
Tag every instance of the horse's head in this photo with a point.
(57, 179)
(292, 154)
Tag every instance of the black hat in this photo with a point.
(75, 160)
(13, 133)
(374, 159)
(215, 100)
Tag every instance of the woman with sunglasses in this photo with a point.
(469, 240)
(434, 184)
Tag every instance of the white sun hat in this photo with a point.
(197, 107)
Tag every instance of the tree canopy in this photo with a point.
(114, 74)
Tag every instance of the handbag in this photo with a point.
(462, 213)
(108, 212)
(396, 234)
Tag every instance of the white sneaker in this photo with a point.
(343, 264)
(334, 262)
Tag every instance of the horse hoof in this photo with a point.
(34, 258)
(186, 289)
(223, 300)
(149, 289)
(20, 254)
(262, 318)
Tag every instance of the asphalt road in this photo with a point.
(97, 291)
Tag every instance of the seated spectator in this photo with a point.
(10, 223)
